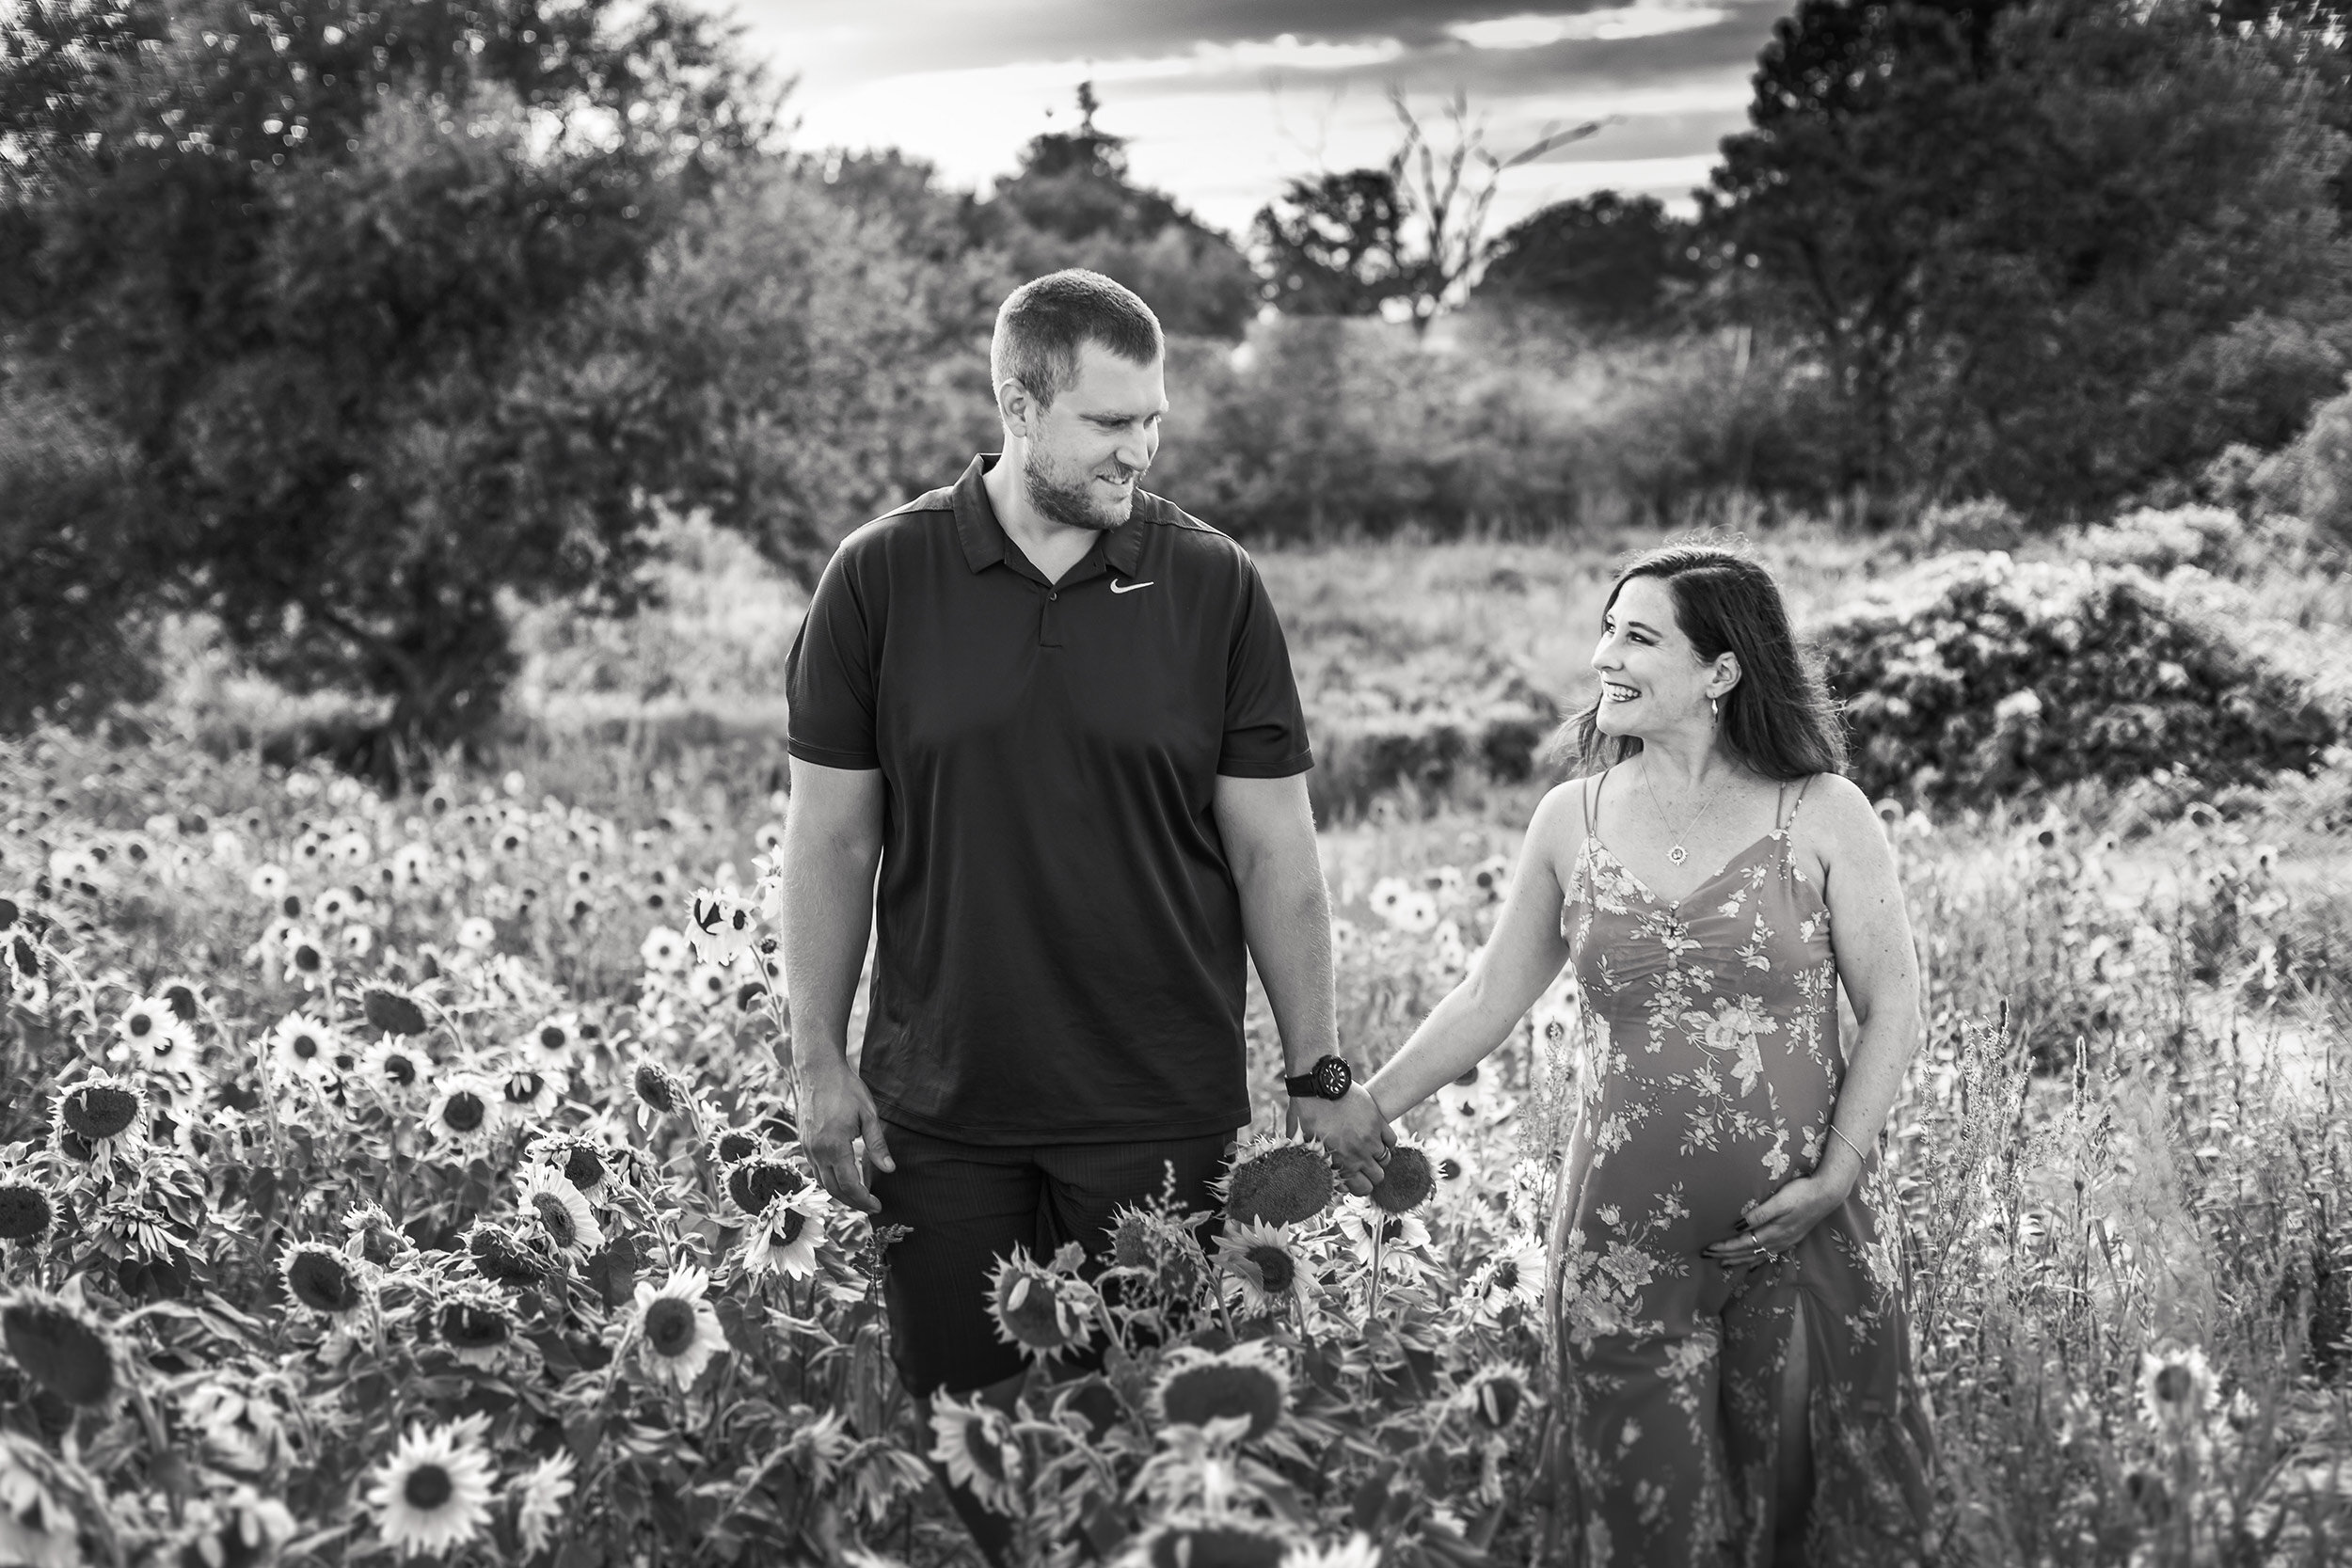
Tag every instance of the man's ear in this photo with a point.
(1016, 407)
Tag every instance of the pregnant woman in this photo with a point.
(1726, 1311)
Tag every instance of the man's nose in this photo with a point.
(1135, 451)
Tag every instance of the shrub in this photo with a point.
(1973, 678)
(1424, 728)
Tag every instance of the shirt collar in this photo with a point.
(983, 536)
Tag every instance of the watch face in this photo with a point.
(1333, 1078)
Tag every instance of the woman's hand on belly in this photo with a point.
(1781, 1221)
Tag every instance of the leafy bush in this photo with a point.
(1426, 730)
(1975, 676)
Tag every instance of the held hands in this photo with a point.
(1353, 1131)
(1781, 1221)
(835, 1112)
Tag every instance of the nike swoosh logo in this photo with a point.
(1131, 587)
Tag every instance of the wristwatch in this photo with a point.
(1329, 1079)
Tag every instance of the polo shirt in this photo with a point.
(1058, 951)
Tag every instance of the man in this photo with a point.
(1058, 714)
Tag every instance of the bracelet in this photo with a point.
(1848, 1141)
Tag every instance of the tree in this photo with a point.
(2033, 249)
(1410, 231)
(320, 270)
(1073, 202)
(1606, 261)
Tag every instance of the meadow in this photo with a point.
(406, 1172)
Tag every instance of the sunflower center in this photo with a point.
(182, 1001)
(1498, 1402)
(100, 1110)
(428, 1487)
(550, 1039)
(470, 1328)
(399, 1070)
(1197, 1395)
(980, 1444)
(524, 1087)
(141, 1026)
(583, 1167)
(794, 1223)
(1274, 1266)
(303, 1046)
(555, 1219)
(2173, 1384)
(670, 1326)
(464, 1111)
(1507, 1275)
(24, 1213)
(62, 1352)
(319, 1280)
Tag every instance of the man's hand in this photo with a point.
(1353, 1131)
(835, 1112)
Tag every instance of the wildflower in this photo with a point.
(352, 849)
(722, 927)
(475, 1325)
(268, 883)
(557, 1211)
(1405, 1182)
(1265, 1264)
(465, 1112)
(1495, 1395)
(534, 1093)
(582, 1161)
(663, 949)
(241, 1428)
(1223, 1539)
(239, 1526)
(754, 1184)
(708, 986)
(501, 1254)
(33, 1528)
(769, 836)
(410, 861)
(659, 1090)
(183, 997)
(1041, 1310)
(973, 1442)
(539, 1492)
(25, 1211)
(553, 1039)
(393, 1012)
(1491, 876)
(321, 1279)
(731, 1144)
(61, 1347)
(434, 1492)
(1162, 1244)
(1276, 1181)
(2177, 1390)
(98, 1118)
(358, 941)
(1358, 1551)
(1516, 1273)
(1388, 895)
(476, 935)
(678, 1329)
(303, 1047)
(1450, 1166)
(1244, 1380)
(782, 1239)
(1415, 913)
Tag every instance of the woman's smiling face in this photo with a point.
(1651, 679)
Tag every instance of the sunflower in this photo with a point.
(1515, 1274)
(332, 907)
(1043, 1310)
(503, 1255)
(61, 1347)
(753, 1184)
(1387, 897)
(303, 1048)
(534, 1092)
(475, 1324)
(973, 1442)
(465, 1113)
(476, 935)
(583, 1161)
(1455, 1172)
(1249, 1380)
(663, 949)
(393, 1010)
(731, 1144)
(660, 1092)
(557, 1212)
(784, 1239)
(307, 960)
(268, 883)
(240, 1526)
(321, 1279)
(539, 1492)
(1266, 1268)
(26, 1210)
(153, 1036)
(1495, 1395)
(358, 941)
(1275, 1181)
(240, 1428)
(101, 1116)
(677, 1328)
(1406, 1181)
(1358, 1551)
(708, 986)
(2177, 1390)
(434, 1492)
(552, 1041)
(392, 1068)
(1220, 1540)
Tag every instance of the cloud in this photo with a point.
(1642, 18)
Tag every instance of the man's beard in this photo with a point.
(1068, 500)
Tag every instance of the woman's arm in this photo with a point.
(1869, 935)
(1510, 972)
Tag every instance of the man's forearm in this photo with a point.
(1286, 917)
(827, 911)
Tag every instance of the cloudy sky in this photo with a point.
(1223, 100)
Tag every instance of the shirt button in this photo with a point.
(1053, 593)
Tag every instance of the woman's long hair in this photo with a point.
(1779, 720)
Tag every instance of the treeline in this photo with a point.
(348, 323)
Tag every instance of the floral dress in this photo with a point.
(1709, 1070)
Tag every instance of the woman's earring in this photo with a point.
(1716, 708)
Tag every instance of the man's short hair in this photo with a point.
(1041, 325)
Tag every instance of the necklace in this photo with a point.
(1675, 852)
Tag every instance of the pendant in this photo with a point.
(1678, 854)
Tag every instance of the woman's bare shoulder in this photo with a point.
(1837, 817)
(1555, 833)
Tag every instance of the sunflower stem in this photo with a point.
(1380, 1234)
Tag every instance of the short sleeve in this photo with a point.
(829, 676)
(1266, 729)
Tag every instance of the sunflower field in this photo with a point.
(416, 1176)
